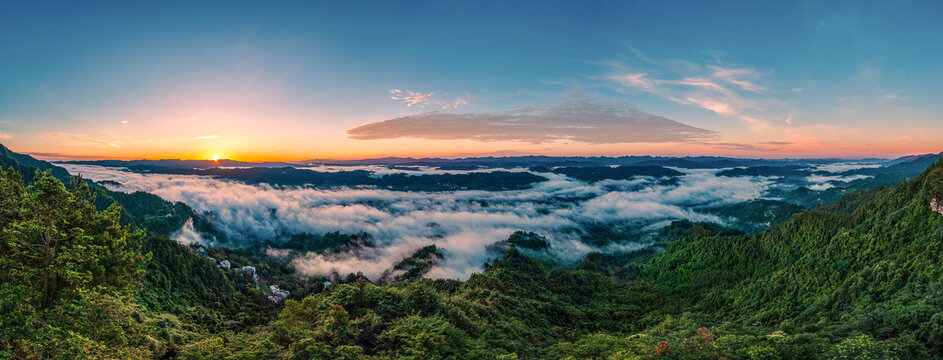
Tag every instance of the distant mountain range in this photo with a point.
(688, 162)
(178, 164)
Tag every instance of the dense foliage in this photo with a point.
(67, 273)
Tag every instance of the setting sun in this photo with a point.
(216, 157)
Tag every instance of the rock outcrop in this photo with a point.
(278, 294)
(936, 205)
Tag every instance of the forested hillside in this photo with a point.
(856, 279)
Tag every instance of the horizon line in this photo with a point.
(77, 158)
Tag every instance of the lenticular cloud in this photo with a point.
(574, 118)
(460, 223)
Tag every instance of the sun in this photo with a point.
(216, 157)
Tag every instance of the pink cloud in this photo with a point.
(736, 77)
(420, 99)
(731, 92)
(573, 118)
(712, 105)
(636, 80)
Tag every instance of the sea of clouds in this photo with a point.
(460, 223)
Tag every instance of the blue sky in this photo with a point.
(294, 80)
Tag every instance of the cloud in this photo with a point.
(638, 54)
(896, 96)
(5, 136)
(732, 145)
(419, 99)
(188, 235)
(737, 77)
(824, 182)
(73, 139)
(702, 92)
(840, 167)
(727, 91)
(712, 105)
(52, 156)
(574, 118)
(207, 137)
(461, 223)
(776, 143)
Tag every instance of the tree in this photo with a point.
(68, 271)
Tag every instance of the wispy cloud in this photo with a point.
(711, 104)
(53, 156)
(867, 88)
(73, 139)
(575, 117)
(5, 136)
(732, 145)
(737, 77)
(776, 143)
(743, 94)
(896, 96)
(421, 100)
(728, 91)
(638, 54)
(206, 137)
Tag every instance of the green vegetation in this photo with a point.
(67, 274)
(598, 173)
(757, 215)
(861, 278)
(26, 165)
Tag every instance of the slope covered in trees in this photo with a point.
(856, 279)
(27, 165)
(67, 273)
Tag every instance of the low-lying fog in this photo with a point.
(460, 223)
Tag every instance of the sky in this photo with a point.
(261, 81)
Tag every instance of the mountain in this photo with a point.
(27, 165)
(909, 166)
(698, 162)
(679, 163)
(910, 158)
(143, 210)
(597, 173)
(494, 180)
(863, 272)
(177, 163)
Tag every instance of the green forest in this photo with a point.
(86, 273)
